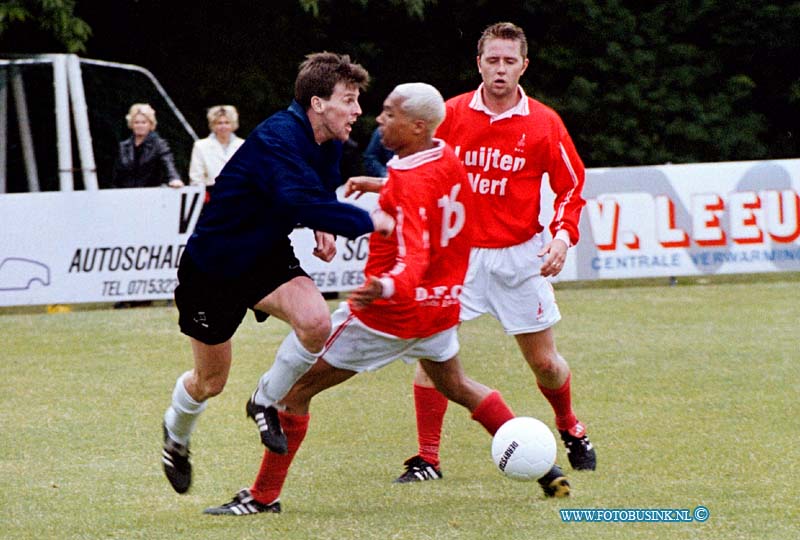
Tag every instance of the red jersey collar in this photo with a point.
(419, 158)
(521, 108)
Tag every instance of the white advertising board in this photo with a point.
(669, 220)
(93, 246)
(124, 244)
(683, 220)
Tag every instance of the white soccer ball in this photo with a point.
(524, 448)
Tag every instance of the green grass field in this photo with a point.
(689, 392)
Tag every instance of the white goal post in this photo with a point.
(70, 111)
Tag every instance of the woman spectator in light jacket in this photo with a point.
(144, 159)
(210, 155)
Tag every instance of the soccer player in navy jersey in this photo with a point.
(239, 256)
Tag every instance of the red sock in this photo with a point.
(275, 467)
(492, 412)
(430, 407)
(561, 401)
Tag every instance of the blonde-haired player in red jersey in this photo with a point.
(507, 142)
(408, 307)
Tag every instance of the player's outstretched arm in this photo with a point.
(359, 185)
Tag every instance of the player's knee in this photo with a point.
(547, 365)
(313, 330)
(211, 386)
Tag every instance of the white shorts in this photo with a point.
(505, 282)
(357, 347)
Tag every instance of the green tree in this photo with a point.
(415, 8)
(679, 81)
(636, 82)
(55, 18)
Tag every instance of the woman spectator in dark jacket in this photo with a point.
(144, 159)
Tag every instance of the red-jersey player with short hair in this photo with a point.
(408, 307)
(420, 268)
(507, 142)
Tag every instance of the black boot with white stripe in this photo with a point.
(580, 450)
(243, 504)
(175, 458)
(418, 470)
(269, 426)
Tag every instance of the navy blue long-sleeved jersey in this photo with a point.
(279, 179)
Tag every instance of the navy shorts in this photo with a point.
(211, 308)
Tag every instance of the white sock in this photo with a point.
(291, 361)
(182, 413)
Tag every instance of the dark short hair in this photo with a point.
(504, 30)
(320, 72)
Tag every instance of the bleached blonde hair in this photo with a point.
(423, 102)
(145, 110)
(228, 111)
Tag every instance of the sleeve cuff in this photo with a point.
(564, 237)
(387, 284)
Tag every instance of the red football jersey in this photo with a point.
(426, 256)
(505, 159)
